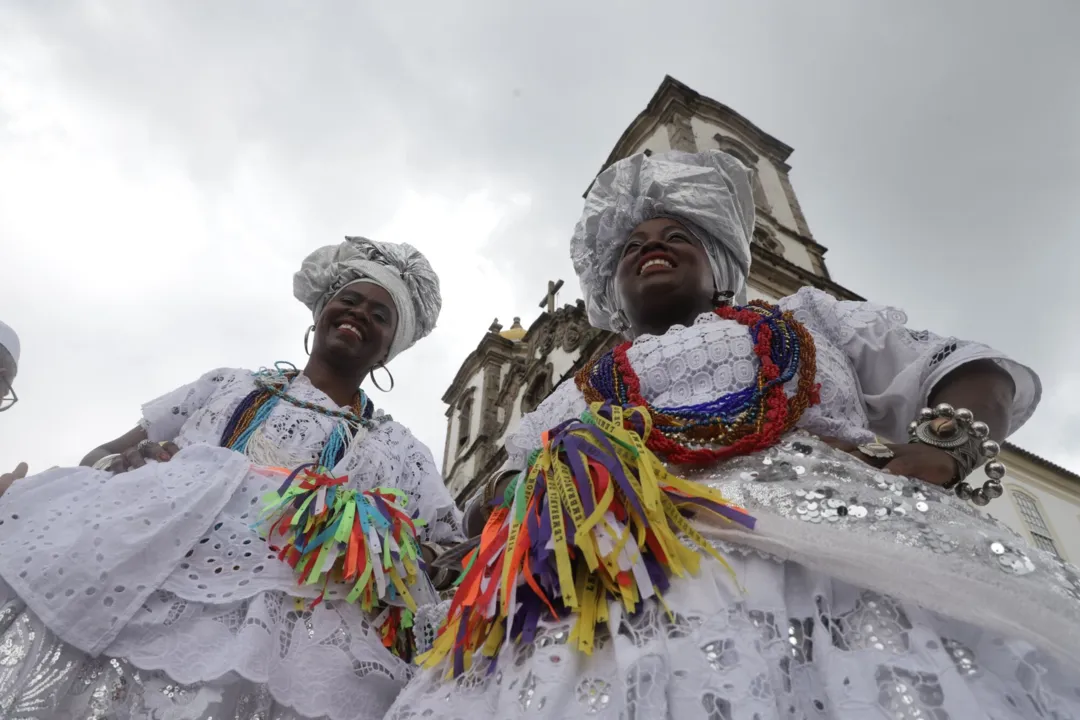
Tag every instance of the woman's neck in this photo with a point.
(660, 323)
(339, 386)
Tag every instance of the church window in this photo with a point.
(1041, 536)
(464, 424)
(748, 158)
(538, 389)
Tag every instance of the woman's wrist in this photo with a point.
(479, 508)
(94, 456)
(967, 439)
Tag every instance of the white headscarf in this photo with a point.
(400, 269)
(709, 192)
(9, 340)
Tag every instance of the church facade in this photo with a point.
(513, 369)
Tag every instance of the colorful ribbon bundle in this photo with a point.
(595, 517)
(328, 532)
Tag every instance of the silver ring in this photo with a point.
(927, 436)
(877, 451)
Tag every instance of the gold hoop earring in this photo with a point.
(376, 383)
(307, 335)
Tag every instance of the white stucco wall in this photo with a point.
(796, 252)
(755, 293)
(1057, 499)
(466, 470)
(658, 142)
(561, 362)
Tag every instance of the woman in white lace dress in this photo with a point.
(865, 589)
(142, 590)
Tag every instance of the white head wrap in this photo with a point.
(9, 341)
(401, 270)
(709, 192)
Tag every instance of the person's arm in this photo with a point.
(901, 371)
(17, 474)
(162, 419)
(128, 440)
(477, 512)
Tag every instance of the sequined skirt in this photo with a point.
(42, 677)
(854, 600)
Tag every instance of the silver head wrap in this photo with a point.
(401, 270)
(709, 192)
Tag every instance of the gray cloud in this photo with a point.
(936, 156)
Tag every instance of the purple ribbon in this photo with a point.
(720, 509)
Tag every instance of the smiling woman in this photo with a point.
(255, 547)
(703, 525)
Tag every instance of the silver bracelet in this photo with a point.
(106, 462)
(967, 440)
(437, 573)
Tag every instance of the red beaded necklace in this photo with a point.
(737, 423)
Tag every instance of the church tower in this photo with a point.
(785, 254)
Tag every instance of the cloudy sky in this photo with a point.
(165, 166)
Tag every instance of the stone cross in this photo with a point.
(548, 303)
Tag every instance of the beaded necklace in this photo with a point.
(736, 423)
(244, 425)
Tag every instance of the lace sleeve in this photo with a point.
(897, 368)
(563, 403)
(392, 456)
(162, 418)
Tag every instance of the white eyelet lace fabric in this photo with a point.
(875, 373)
(863, 595)
(160, 568)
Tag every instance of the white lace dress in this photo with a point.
(149, 595)
(863, 595)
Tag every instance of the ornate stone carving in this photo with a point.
(572, 337)
(735, 147)
(544, 341)
(681, 133)
(766, 238)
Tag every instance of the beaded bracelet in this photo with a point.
(967, 440)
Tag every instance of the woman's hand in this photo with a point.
(913, 460)
(137, 455)
(17, 474)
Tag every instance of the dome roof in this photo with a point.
(515, 332)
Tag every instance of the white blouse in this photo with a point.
(875, 373)
(390, 455)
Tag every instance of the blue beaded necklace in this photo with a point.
(254, 410)
(740, 406)
(734, 423)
